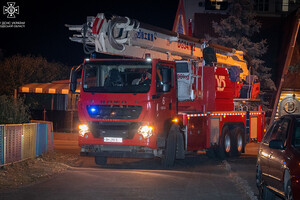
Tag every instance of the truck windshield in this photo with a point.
(117, 76)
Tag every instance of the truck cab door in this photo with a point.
(165, 98)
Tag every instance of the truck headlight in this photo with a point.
(83, 128)
(146, 131)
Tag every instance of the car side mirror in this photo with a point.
(276, 144)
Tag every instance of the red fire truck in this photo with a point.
(172, 95)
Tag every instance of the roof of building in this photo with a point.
(55, 87)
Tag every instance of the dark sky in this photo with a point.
(45, 34)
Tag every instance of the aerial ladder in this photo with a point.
(122, 36)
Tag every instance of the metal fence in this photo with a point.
(22, 141)
(29, 140)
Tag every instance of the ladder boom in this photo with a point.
(123, 36)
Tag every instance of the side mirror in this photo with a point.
(73, 78)
(276, 144)
(166, 76)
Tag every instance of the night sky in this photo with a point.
(45, 34)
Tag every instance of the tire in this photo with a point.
(259, 182)
(100, 160)
(180, 153)
(239, 142)
(225, 149)
(267, 194)
(168, 158)
(288, 191)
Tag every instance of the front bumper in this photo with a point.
(137, 140)
(118, 151)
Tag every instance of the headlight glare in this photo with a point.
(146, 131)
(83, 128)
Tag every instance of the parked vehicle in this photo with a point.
(278, 160)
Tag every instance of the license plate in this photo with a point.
(113, 139)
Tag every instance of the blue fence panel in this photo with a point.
(41, 139)
(1, 144)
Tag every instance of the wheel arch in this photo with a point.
(233, 125)
(166, 128)
(162, 136)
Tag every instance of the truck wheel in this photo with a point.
(238, 145)
(100, 160)
(180, 154)
(168, 158)
(225, 148)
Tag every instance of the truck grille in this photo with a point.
(124, 130)
(114, 111)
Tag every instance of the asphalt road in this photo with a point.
(196, 177)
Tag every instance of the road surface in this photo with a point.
(196, 177)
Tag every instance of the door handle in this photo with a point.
(155, 96)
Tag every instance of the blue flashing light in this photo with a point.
(93, 109)
(93, 55)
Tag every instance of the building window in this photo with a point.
(285, 5)
(216, 4)
(262, 5)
